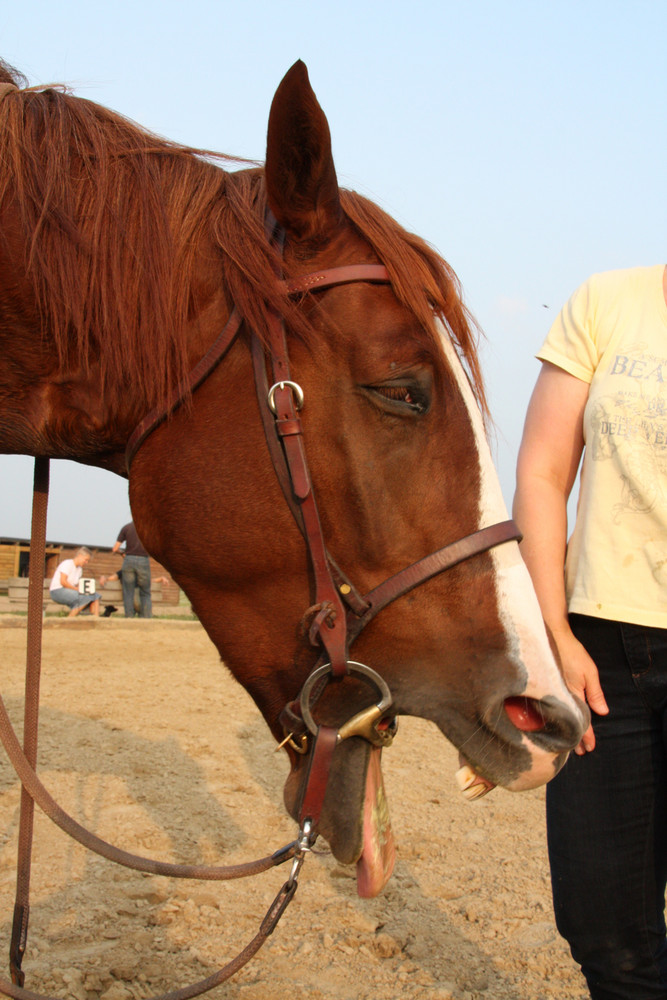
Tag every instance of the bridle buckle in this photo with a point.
(294, 386)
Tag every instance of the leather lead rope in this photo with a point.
(68, 825)
(40, 499)
(53, 811)
(24, 760)
(271, 918)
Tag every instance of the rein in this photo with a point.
(338, 615)
(33, 791)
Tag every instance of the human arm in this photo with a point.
(116, 547)
(549, 456)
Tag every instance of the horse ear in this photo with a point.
(301, 182)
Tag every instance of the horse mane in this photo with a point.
(113, 218)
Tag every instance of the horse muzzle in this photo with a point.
(522, 743)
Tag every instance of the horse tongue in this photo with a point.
(376, 863)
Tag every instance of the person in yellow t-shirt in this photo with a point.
(602, 394)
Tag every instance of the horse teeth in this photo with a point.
(475, 792)
(465, 777)
(470, 783)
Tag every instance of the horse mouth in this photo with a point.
(532, 740)
(355, 815)
(364, 835)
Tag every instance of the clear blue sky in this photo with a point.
(525, 140)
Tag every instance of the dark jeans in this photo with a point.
(136, 572)
(607, 820)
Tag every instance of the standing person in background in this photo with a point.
(64, 586)
(135, 571)
(602, 392)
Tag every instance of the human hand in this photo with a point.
(583, 680)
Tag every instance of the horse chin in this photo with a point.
(543, 766)
(355, 815)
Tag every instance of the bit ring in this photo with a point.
(364, 723)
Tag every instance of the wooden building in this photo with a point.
(15, 567)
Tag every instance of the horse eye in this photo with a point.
(400, 392)
(408, 395)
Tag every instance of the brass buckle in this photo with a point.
(300, 747)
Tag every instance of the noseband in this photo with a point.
(338, 613)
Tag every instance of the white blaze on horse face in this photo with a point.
(518, 609)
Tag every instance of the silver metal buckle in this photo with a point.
(296, 389)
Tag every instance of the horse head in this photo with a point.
(393, 431)
(400, 467)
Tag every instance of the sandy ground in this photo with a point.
(146, 739)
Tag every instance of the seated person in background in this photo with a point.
(64, 588)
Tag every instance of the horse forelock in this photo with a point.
(423, 281)
(113, 218)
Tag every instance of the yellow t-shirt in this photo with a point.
(612, 334)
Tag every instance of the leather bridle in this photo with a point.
(338, 613)
(337, 616)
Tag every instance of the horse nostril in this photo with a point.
(525, 714)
